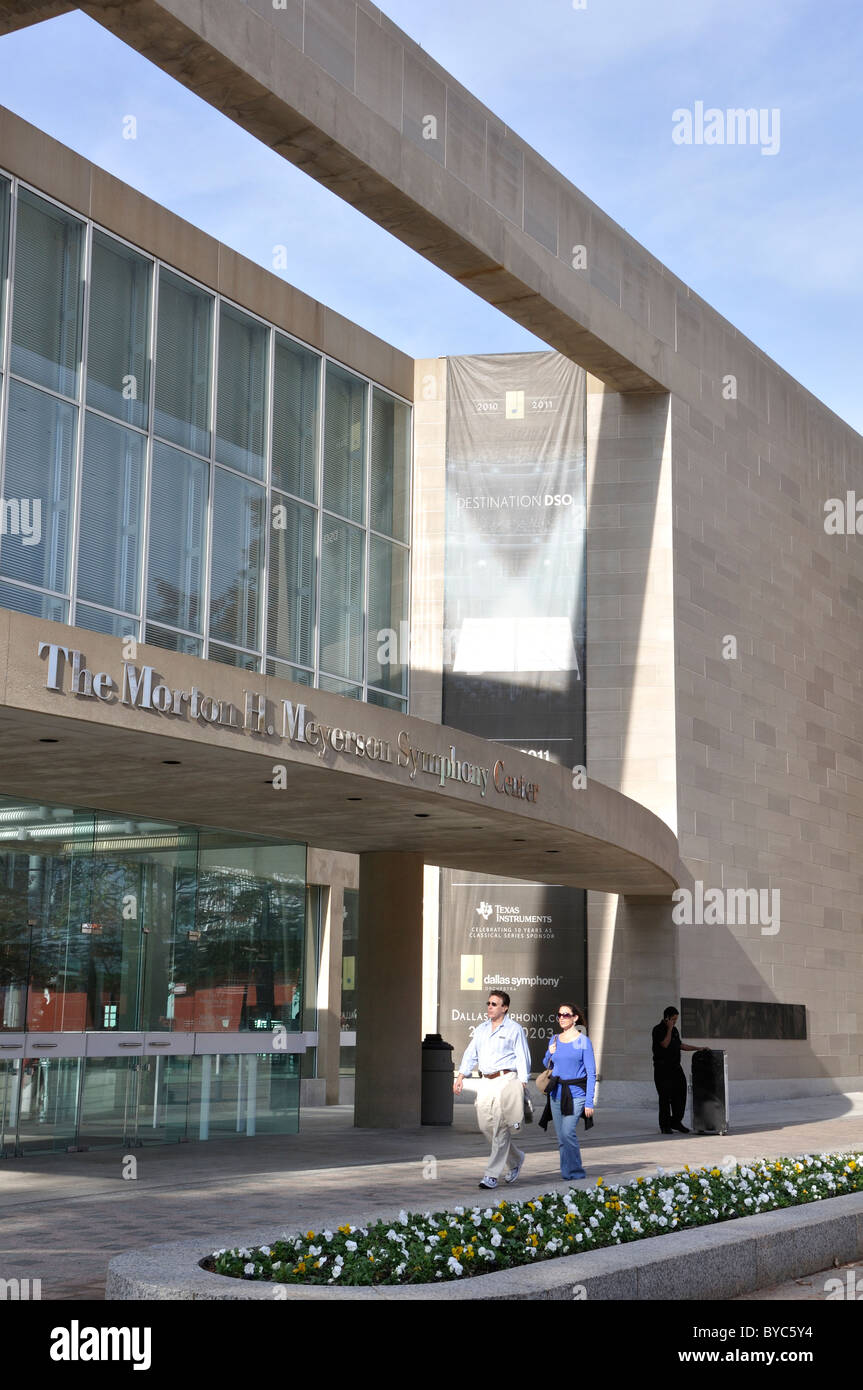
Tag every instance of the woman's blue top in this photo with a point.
(573, 1060)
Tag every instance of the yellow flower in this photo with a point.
(509, 1228)
(310, 1235)
(469, 1253)
(533, 1240)
(456, 1250)
(600, 1181)
(532, 1207)
(852, 1165)
(301, 1267)
(442, 1235)
(316, 1265)
(640, 1180)
(497, 1216)
(345, 1230)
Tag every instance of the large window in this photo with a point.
(49, 295)
(112, 489)
(181, 471)
(40, 459)
(116, 924)
(178, 529)
(118, 348)
(183, 353)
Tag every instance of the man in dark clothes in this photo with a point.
(668, 1075)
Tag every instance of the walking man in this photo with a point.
(668, 1075)
(499, 1051)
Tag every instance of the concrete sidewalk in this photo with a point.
(63, 1217)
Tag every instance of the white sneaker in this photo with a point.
(489, 1182)
(514, 1172)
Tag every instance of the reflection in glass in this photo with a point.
(112, 488)
(54, 610)
(344, 444)
(388, 608)
(295, 418)
(118, 339)
(291, 613)
(49, 293)
(117, 924)
(40, 455)
(239, 517)
(390, 466)
(178, 531)
(183, 357)
(342, 593)
(111, 624)
(242, 404)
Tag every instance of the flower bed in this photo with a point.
(418, 1249)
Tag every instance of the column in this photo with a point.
(389, 991)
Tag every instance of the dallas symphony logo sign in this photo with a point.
(142, 688)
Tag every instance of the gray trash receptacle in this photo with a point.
(436, 1093)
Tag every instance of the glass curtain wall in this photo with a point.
(180, 471)
(113, 925)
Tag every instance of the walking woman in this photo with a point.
(571, 1092)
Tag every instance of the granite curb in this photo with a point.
(712, 1262)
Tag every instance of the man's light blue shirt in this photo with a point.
(503, 1048)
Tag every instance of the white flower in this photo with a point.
(496, 1239)
(453, 1264)
(315, 1249)
(403, 1218)
(328, 1235)
(265, 1250)
(337, 1269)
(248, 1269)
(350, 1245)
(578, 1237)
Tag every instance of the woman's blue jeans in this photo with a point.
(571, 1166)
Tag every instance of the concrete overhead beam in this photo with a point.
(341, 92)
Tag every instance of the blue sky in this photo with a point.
(775, 243)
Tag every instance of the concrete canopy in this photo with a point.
(118, 756)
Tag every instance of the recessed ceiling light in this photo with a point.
(552, 851)
(171, 762)
(49, 740)
(354, 798)
(422, 815)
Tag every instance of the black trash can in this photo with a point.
(709, 1091)
(437, 1079)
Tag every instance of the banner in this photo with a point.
(514, 644)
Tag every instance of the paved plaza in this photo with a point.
(63, 1217)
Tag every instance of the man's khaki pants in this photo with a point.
(499, 1105)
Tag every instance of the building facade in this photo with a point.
(283, 672)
